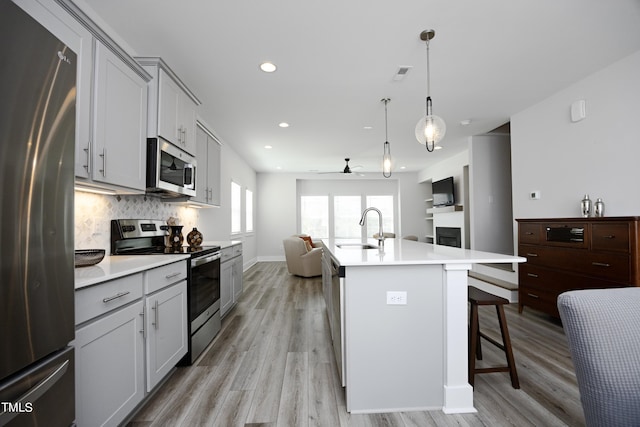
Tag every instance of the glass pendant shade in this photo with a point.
(430, 130)
(386, 160)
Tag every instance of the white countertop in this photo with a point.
(222, 243)
(409, 252)
(112, 267)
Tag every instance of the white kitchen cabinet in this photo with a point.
(166, 319)
(166, 327)
(109, 350)
(226, 287)
(120, 111)
(70, 31)
(237, 276)
(111, 100)
(231, 269)
(109, 367)
(172, 106)
(208, 168)
(130, 333)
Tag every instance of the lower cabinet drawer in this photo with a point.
(96, 300)
(161, 277)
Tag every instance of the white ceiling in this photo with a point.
(336, 60)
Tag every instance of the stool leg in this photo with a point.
(473, 341)
(479, 343)
(507, 346)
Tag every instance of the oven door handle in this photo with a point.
(205, 259)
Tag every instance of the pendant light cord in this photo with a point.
(386, 127)
(428, 72)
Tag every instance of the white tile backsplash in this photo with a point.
(94, 212)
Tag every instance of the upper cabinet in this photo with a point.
(172, 106)
(208, 170)
(120, 117)
(111, 100)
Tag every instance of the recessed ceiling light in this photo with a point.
(438, 147)
(403, 167)
(279, 167)
(367, 127)
(283, 125)
(268, 147)
(466, 122)
(268, 67)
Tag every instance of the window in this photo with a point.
(346, 214)
(314, 216)
(248, 210)
(236, 208)
(385, 205)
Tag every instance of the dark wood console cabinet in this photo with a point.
(575, 253)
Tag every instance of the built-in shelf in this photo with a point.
(445, 209)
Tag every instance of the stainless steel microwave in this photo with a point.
(170, 171)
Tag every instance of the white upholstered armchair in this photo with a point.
(603, 331)
(303, 259)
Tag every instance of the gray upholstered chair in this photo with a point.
(302, 260)
(603, 331)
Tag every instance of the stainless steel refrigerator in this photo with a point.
(37, 133)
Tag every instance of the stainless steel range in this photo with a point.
(148, 237)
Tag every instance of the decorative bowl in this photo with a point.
(87, 257)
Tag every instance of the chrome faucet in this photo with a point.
(380, 233)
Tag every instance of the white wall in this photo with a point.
(491, 220)
(453, 166)
(277, 208)
(215, 223)
(598, 155)
(276, 213)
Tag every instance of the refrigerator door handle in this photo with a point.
(38, 390)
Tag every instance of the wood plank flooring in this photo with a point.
(272, 365)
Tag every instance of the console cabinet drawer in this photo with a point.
(529, 233)
(610, 237)
(539, 300)
(611, 266)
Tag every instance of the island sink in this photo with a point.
(357, 246)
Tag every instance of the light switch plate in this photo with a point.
(578, 110)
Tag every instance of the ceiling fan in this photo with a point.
(347, 168)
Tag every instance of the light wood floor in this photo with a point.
(272, 365)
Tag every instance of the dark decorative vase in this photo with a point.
(194, 238)
(175, 237)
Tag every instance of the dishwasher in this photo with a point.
(336, 315)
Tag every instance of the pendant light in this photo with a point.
(386, 158)
(430, 129)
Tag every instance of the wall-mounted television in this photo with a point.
(443, 192)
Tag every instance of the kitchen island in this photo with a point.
(398, 318)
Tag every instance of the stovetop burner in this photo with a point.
(162, 250)
(147, 237)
